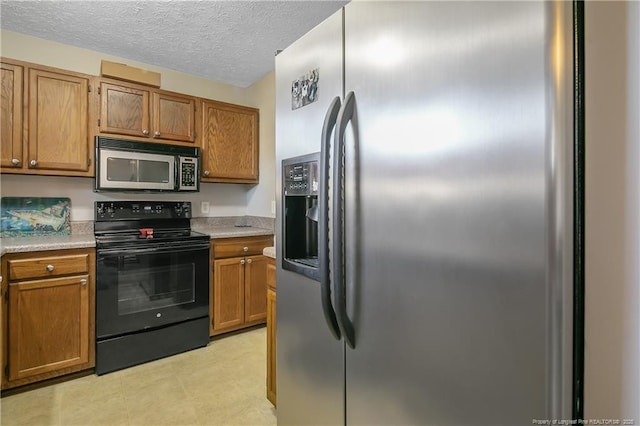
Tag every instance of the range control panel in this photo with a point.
(123, 210)
(301, 178)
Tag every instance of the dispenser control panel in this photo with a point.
(301, 178)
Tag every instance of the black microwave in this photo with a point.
(126, 165)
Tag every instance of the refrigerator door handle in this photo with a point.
(323, 218)
(344, 117)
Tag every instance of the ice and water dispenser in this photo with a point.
(300, 182)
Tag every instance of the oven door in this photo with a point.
(143, 288)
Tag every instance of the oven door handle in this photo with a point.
(151, 250)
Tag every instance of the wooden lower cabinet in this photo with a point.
(48, 316)
(271, 331)
(239, 283)
(255, 295)
(228, 294)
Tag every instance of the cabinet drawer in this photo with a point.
(234, 247)
(20, 269)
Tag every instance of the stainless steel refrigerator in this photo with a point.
(441, 287)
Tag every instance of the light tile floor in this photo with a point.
(222, 384)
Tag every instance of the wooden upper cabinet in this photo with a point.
(124, 110)
(11, 115)
(174, 117)
(229, 137)
(45, 120)
(147, 113)
(58, 121)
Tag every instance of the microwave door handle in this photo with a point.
(176, 173)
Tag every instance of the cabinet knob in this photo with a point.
(33, 163)
(83, 282)
(206, 172)
(242, 262)
(249, 260)
(50, 268)
(145, 132)
(245, 248)
(157, 133)
(15, 161)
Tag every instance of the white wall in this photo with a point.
(612, 354)
(224, 199)
(261, 197)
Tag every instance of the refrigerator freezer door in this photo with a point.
(310, 361)
(453, 306)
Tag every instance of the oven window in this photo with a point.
(161, 287)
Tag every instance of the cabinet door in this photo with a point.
(255, 291)
(48, 325)
(58, 121)
(228, 293)
(174, 117)
(11, 115)
(124, 110)
(271, 346)
(229, 143)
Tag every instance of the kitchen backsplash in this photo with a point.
(35, 216)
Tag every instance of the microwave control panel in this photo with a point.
(188, 174)
(301, 178)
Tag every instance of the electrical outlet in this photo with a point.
(204, 207)
(273, 207)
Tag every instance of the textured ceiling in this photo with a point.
(229, 41)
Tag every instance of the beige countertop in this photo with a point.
(231, 231)
(28, 244)
(269, 251)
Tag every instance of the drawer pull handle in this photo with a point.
(145, 132)
(50, 268)
(249, 260)
(245, 248)
(242, 262)
(83, 281)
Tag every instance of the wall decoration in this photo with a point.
(305, 89)
(26, 216)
